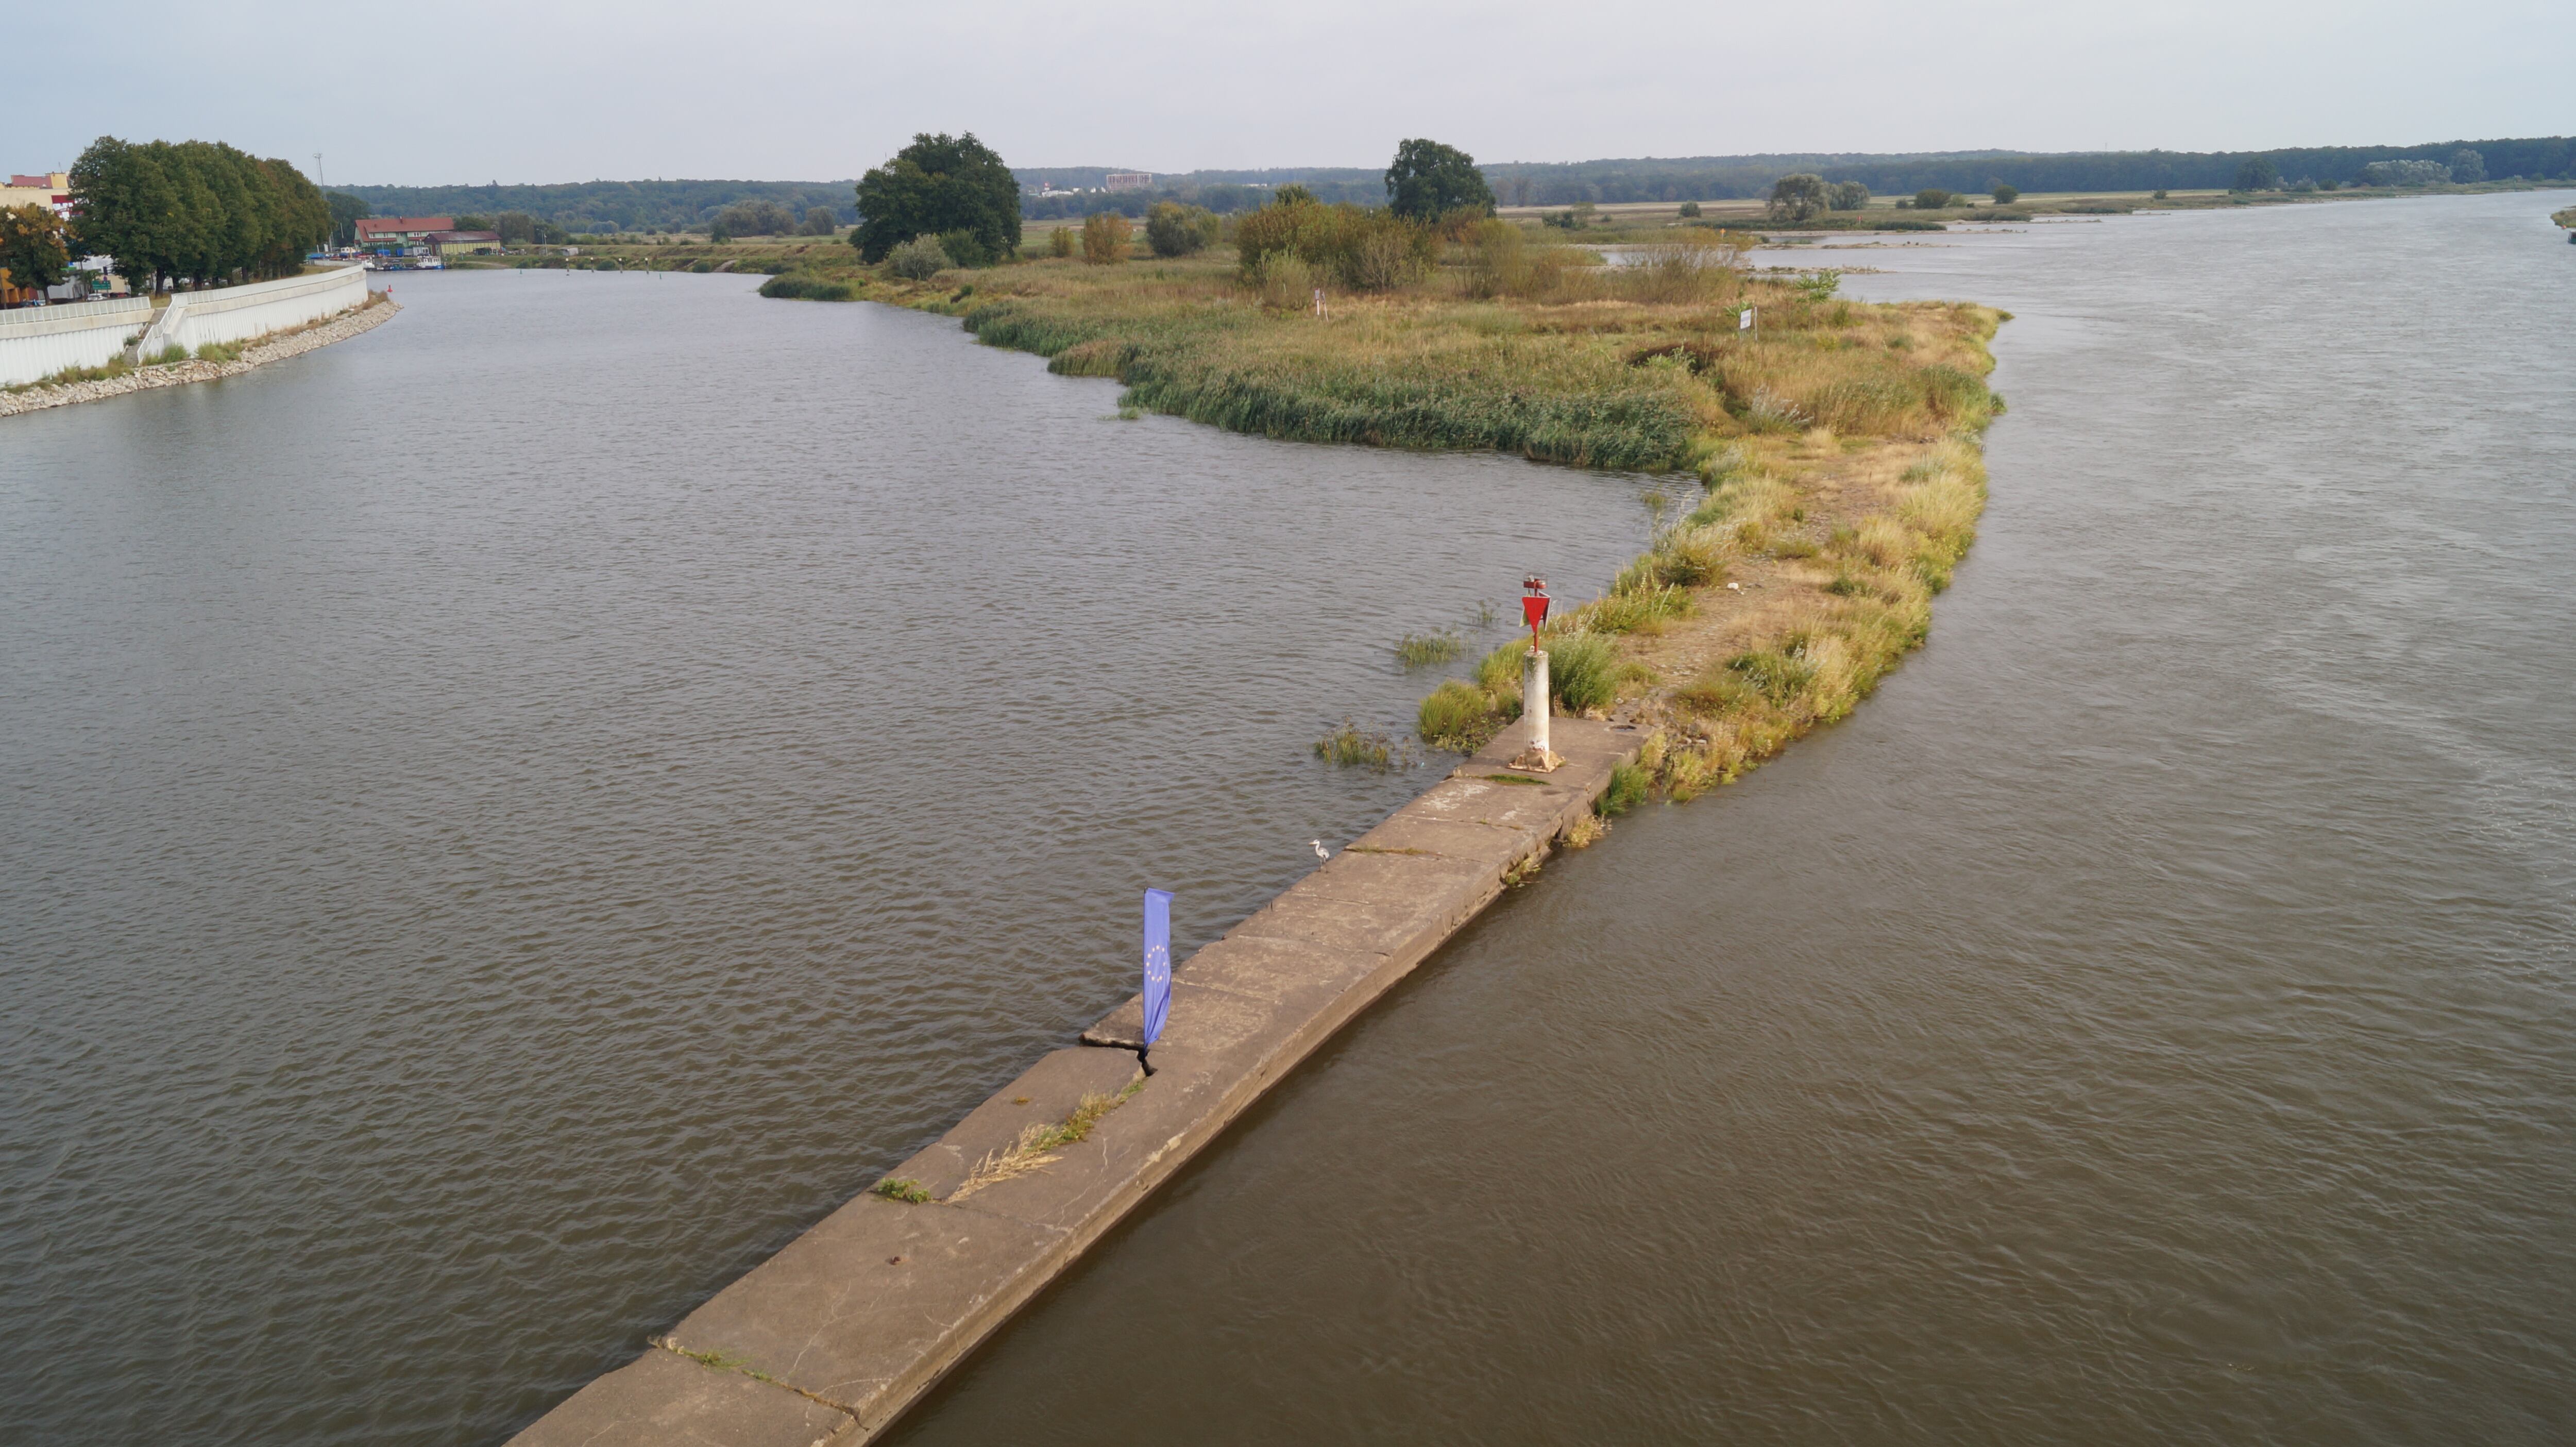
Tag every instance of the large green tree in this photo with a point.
(938, 184)
(31, 247)
(199, 210)
(1800, 196)
(1430, 180)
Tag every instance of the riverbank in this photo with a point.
(1837, 443)
(214, 362)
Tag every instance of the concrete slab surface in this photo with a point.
(873, 1305)
(663, 1397)
(1043, 1094)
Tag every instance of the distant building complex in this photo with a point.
(1129, 180)
(53, 191)
(402, 230)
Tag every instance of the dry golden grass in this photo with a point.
(1040, 1144)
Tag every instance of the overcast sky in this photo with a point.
(468, 91)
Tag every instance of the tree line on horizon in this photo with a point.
(694, 205)
(1723, 178)
(195, 211)
(609, 207)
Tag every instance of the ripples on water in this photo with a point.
(2146, 1021)
(510, 818)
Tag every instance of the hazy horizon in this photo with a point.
(554, 93)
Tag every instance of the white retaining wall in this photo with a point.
(37, 342)
(235, 313)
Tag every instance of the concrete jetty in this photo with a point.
(831, 1339)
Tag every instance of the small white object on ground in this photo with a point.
(1320, 851)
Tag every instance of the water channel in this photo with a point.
(511, 818)
(511, 821)
(2147, 1020)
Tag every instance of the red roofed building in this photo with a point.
(400, 230)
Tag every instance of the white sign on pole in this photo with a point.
(1744, 319)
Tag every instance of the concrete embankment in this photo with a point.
(368, 316)
(832, 1338)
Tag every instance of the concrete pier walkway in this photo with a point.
(831, 1339)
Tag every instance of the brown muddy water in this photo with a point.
(469, 898)
(509, 819)
(2148, 1020)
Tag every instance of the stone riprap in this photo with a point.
(832, 1338)
(179, 374)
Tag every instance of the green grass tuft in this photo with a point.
(1628, 787)
(1423, 650)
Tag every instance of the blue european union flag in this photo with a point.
(1158, 961)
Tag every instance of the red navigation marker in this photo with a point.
(1534, 602)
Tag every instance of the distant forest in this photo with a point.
(602, 206)
(1722, 178)
(688, 205)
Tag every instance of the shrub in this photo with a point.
(1063, 241)
(1459, 223)
(1778, 673)
(2006, 195)
(1848, 196)
(1800, 196)
(965, 248)
(1932, 198)
(919, 259)
(1104, 238)
(1363, 249)
(1284, 281)
(1694, 266)
(1582, 672)
(1628, 785)
(1689, 209)
(1172, 229)
(2160, 193)
(1459, 716)
(804, 286)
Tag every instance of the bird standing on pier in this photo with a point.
(1320, 851)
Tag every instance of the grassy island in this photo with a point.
(1835, 444)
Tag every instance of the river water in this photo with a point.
(2147, 1020)
(510, 818)
(510, 822)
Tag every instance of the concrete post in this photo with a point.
(1538, 757)
(1534, 699)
